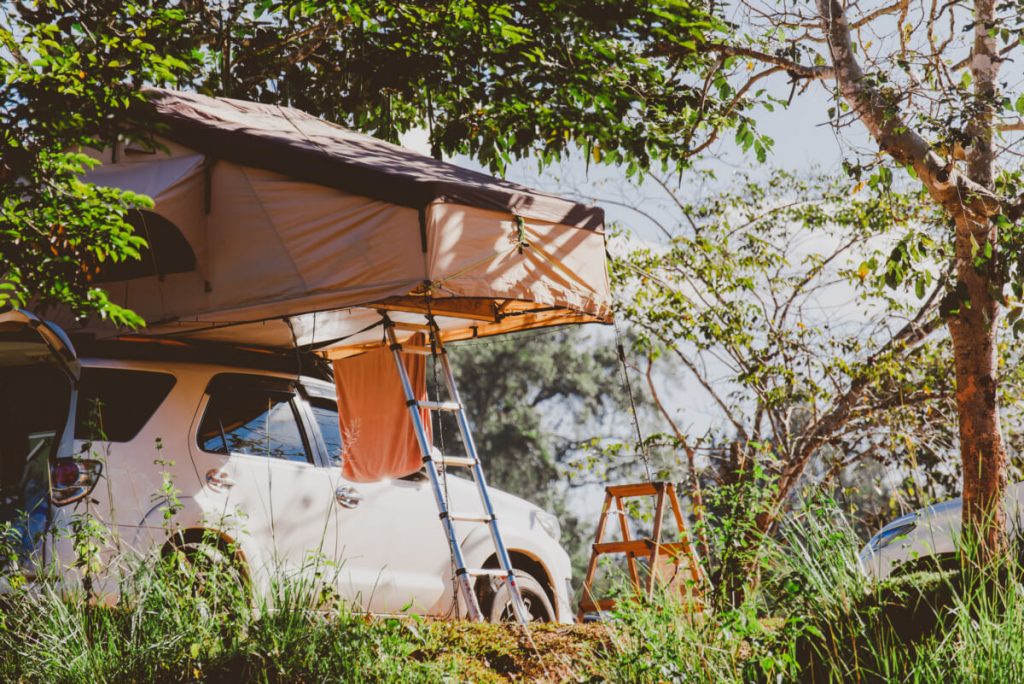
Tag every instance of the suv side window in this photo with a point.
(248, 415)
(325, 413)
(114, 404)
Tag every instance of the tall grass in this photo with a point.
(175, 624)
(811, 616)
(815, 617)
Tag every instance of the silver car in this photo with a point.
(927, 538)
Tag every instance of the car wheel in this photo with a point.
(210, 572)
(497, 604)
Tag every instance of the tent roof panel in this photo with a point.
(307, 148)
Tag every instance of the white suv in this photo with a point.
(251, 442)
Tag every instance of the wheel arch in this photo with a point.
(199, 535)
(528, 563)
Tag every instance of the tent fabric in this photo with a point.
(304, 147)
(282, 262)
(306, 235)
(377, 434)
(475, 253)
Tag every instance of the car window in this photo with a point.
(245, 418)
(114, 404)
(326, 414)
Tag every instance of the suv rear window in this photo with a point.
(114, 404)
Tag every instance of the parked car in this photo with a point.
(252, 443)
(927, 538)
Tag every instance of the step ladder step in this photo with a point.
(439, 405)
(470, 517)
(588, 606)
(641, 547)
(628, 491)
(455, 461)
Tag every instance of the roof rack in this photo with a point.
(144, 348)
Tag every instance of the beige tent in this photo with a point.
(272, 227)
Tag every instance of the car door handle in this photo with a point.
(348, 497)
(219, 480)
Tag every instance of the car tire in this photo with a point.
(210, 571)
(496, 605)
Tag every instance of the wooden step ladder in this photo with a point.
(664, 559)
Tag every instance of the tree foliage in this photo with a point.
(762, 305)
(68, 75)
(925, 83)
(495, 80)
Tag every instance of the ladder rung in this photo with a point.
(641, 547)
(412, 327)
(417, 349)
(457, 461)
(587, 606)
(439, 405)
(470, 517)
(487, 572)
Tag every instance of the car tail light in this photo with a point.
(72, 479)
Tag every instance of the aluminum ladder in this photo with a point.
(464, 576)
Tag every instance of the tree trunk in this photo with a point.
(983, 455)
(970, 202)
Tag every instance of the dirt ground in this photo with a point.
(506, 653)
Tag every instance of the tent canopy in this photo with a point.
(272, 227)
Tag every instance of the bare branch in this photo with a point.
(897, 8)
(1017, 125)
(967, 60)
(709, 388)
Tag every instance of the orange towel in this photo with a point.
(376, 430)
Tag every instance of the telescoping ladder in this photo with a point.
(464, 576)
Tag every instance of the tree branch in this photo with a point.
(910, 335)
(896, 8)
(880, 113)
(795, 69)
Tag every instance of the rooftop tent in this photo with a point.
(272, 227)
